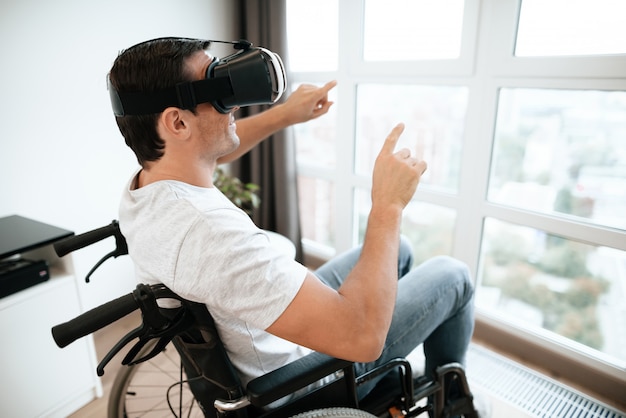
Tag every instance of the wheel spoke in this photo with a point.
(142, 389)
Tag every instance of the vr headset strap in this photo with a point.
(185, 95)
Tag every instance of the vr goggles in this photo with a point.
(251, 76)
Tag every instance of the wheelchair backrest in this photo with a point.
(210, 372)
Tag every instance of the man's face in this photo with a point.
(218, 130)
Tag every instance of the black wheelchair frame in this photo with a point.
(213, 380)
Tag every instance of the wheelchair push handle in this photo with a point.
(93, 320)
(77, 242)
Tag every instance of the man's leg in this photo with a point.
(334, 272)
(434, 306)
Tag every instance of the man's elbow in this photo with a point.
(368, 348)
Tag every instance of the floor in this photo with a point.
(105, 338)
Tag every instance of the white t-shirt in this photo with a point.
(205, 249)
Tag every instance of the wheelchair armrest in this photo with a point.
(291, 377)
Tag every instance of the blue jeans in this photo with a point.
(434, 306)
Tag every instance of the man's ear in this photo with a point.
(173, 121)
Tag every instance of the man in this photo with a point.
(269, 309)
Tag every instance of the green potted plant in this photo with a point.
(243, 195)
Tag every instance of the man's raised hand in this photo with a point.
(396, 174)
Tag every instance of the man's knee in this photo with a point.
(457, 272)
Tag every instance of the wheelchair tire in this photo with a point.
(335, 413)
(141, 390)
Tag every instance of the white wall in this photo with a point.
(62, 158)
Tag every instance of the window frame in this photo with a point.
(486, 64)
(503, 15)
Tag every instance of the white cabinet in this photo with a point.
(38, 378)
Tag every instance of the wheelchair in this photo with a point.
(201, 381)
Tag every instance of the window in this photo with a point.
(562, 152)
(523, 129)
(584, 28)
(541, 281)
(427, 29)
(428, 227)
(313, 49)
(435, 131)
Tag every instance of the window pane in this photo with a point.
(434, 118)
(428, 227)
(317, 208)
(315, 140)
(537, 280)
(571, 27)
(562, 151)
(312, 45)
(409, 30)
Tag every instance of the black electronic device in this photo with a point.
(20, 274)
(18, 236)
(251, 76)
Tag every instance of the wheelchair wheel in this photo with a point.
(153, 389)
(335, 413)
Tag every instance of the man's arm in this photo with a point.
(306, 103)
(352, 322)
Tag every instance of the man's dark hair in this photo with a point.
(150, 66)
